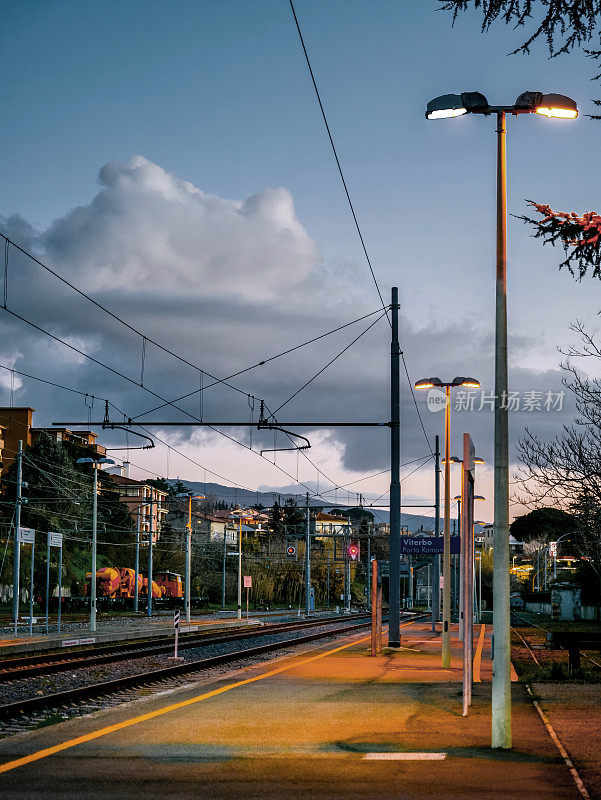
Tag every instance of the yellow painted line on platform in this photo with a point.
(478, 656)
(404, 756)
(119, 726)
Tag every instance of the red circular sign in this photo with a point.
(353, 550)
(291, 550)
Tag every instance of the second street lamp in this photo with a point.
(431, 383)
(548, 105)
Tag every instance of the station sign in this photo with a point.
(432, 545)
(27, 535)
(55, 539)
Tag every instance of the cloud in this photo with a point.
(146, 229)
(226, 284)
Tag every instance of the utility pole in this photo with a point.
(307, 557)
(394, 595)
(137, 564)
(17, 556)
(94, 546)
(150, 544)
(223, 566)
(501, 672)
(436, 558)
(368, 567)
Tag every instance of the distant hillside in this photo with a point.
(244, 497)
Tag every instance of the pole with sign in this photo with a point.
(26, 536)
(17, 555)
(467, 556)
(54, 540)
(31, 586)
(248, 582)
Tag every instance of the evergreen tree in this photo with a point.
(275, 520)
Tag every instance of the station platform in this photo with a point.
(331, 722)
(79, 635)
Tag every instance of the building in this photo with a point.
(213, 528)
(146, 503)
(16, 424)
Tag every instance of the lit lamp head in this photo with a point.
(454, 105)
(469, 383)
(452, 460)
(478, 460)
(428, 383)
(557, 106)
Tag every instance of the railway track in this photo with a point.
(33, 710)
(530, 645)
(50, 663)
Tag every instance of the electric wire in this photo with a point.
(261, 363)
(323, 369)
(338, 164)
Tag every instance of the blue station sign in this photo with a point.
(419, 544)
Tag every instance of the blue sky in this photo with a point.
(217, 93)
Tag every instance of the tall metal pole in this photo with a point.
(31, 589)
(368, 568)
(60, 585)
(17, 555)
(307, 557)
(47, 577)
(240, 568)
(94, 545)
(446, 556)
(188, 559)
(501, 677)
(436, 559)
(394, 593)
(223, 565)
(150, 546)
(137, 564)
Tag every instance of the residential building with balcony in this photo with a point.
(146, 503)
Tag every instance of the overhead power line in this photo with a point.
(338, 164)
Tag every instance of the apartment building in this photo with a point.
(146, 504)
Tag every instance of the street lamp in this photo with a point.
(240, 516)
(189, 550)
(548, 105)
(95, 462)
(429, 383)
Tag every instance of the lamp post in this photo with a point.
(240, 515)
(189, 551)
(429, 383)
(95, 462)
(548, 105)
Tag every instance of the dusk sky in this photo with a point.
(170, 160)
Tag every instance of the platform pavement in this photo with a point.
(332, 722)
(81, 635)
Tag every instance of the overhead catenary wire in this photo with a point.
(330, 362)
(261, 363)
(338, 164)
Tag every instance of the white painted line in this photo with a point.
(404, 756)
(567, 760)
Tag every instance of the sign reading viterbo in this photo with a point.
(427, 544)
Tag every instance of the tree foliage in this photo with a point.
(542, 524)
(580, 237)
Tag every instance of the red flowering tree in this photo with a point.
(579, 236)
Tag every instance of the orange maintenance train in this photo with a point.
(118, 583)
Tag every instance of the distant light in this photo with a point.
(478, 460)
(426, 383)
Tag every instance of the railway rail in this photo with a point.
(49, 663)
(529, 645)
(116, 690)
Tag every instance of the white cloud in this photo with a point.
(147, 230)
